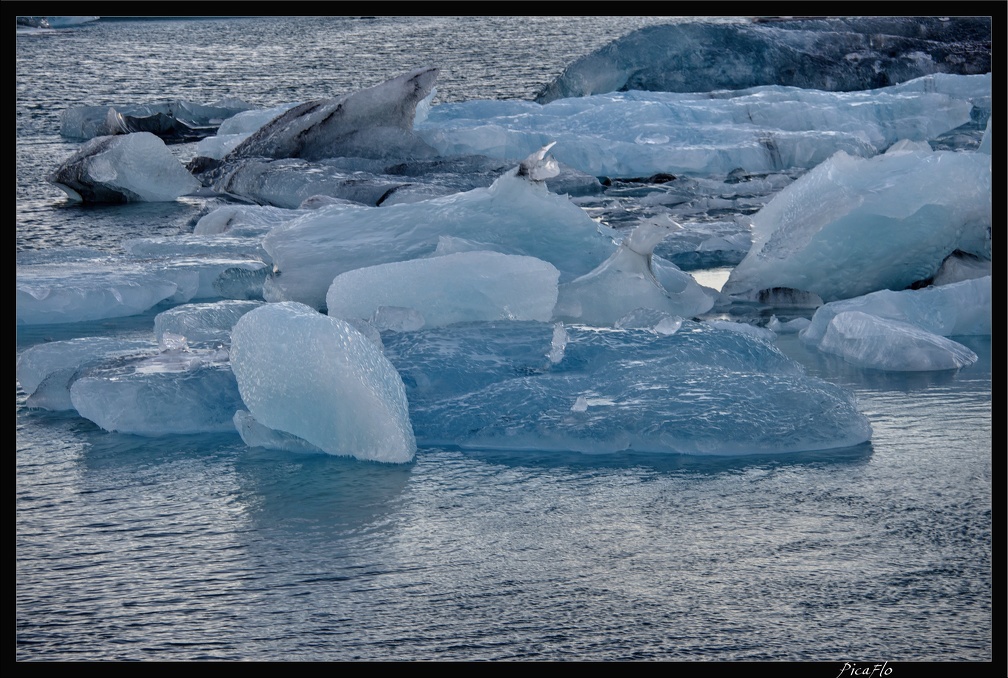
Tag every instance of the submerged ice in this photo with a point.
(698, 390)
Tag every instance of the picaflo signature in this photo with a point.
(865, 670)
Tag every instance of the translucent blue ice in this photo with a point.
(317, 378)
(699, 390)
(854, 225)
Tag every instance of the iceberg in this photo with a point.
(372, 123)
(878, 343)
(317, 378)
(69, 292)
(512, 216)
(698, 390)
(627, 281)
(46, 371)
(206, 323)
(134, 167)
(448, 289)
(174, 392)
(761, 129)
(853, 226)
(837, 54)
(957, 309)
(173, 122)
(907, 330)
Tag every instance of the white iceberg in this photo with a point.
(853, 226)
(880, 343)
(513, 216)
(461, 287)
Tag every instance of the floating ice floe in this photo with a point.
(134, 167)
(853, 225)
(70, 292)
(698, 390)
(46, 371)
(319, 379)
(448, 289)
(171, 393)
(869, 341)
(60, 292)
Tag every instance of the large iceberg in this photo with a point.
(698, 390)
(135, 167)
(838, 54)
(634, 134)
(315, 377)
(853, 225)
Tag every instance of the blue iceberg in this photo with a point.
(698, 390)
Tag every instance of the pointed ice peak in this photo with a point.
(646, 236)
(538, 167)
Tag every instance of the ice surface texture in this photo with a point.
(135, 167)
(853, 226)
(837, 54)
(698, 390)
(318, 378)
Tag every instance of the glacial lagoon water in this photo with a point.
(198, 547)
